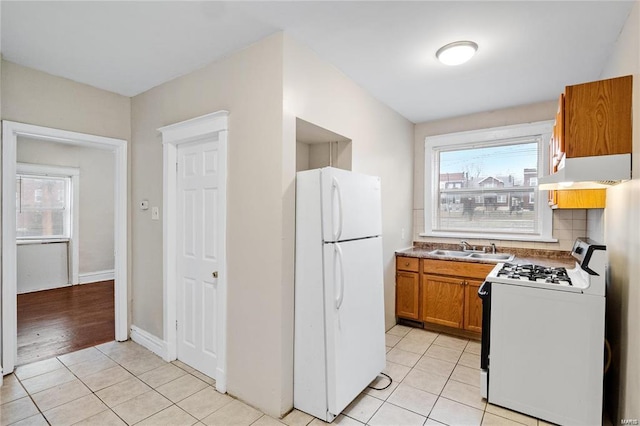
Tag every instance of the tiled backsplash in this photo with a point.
(567, 226)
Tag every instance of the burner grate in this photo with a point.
(535, 273)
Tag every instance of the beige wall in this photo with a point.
(33, 97)
(249, 85)
(261, 171)
(261, 202)
(317, 92)
(622, 231)
(567, 224)
(302, 156)
(96, 195)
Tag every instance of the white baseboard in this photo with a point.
(40, 288)
(149, 341)
(94, 277)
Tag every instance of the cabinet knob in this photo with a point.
(214, 274)
(406, 264)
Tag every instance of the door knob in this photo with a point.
(215, 274)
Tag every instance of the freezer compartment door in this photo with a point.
(354, 315)
(351, 205)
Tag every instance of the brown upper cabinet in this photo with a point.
(592, 119)
(597, 118)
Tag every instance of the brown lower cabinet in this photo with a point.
(408, 294)
(442, 300)
(440, 292)
(408, 287)
(473, 306)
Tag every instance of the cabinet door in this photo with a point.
(407, 291)
(580, 199)
(442, 300)
(597, 118)
(559, 130)
(472, 306)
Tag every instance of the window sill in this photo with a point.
(481, 236)
(21, 242)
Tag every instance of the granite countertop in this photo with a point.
(555, 258)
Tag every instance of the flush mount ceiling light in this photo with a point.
(456, 53)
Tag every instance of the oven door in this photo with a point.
(485, 294)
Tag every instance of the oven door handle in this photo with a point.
(484, 290)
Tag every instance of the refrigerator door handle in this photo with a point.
(336, 186)
(340, 279)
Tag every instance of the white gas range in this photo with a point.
(543, 337)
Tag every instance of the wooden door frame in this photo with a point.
(10, 132)
(199, 128)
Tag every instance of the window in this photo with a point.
(44, 201)
(483, 183)
(37, 196)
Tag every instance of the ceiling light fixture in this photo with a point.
(456, 53)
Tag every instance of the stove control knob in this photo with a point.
(578, 250)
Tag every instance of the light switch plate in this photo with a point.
(155, 213)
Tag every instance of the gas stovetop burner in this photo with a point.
(535, 273)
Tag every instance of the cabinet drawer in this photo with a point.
(458, 269)
(408, 264)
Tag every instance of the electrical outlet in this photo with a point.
(155, 213)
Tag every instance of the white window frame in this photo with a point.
(540, 131)
(73, 224)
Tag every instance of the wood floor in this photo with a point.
(63, 320)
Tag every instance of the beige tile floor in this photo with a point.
(435, 381)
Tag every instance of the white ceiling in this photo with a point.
(529, 50)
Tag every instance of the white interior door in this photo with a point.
(198, 253)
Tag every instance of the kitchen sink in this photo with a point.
(450, 253)
(493, 257)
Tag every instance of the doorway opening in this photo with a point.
(64, 202)
(11, 132)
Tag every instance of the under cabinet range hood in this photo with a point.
(594, 172)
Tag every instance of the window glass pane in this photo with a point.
(41, 209)
(488, 189)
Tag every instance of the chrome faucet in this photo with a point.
(465, 245)
(493, 248)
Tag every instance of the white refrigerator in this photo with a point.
(339, 297)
